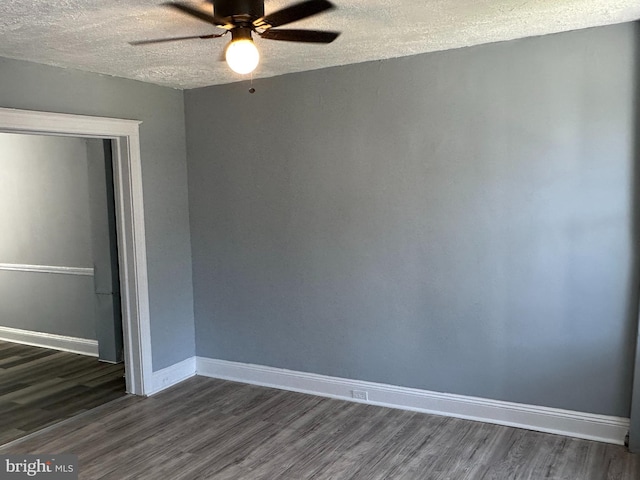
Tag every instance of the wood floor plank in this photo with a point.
(218, 430)
(40, 387)
(11, 387)
(9, 434)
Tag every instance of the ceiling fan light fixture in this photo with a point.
(242, 17)
(242, 54)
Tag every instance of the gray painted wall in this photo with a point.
(458, 221)
(45, 221)
(44, 194)
(162, 136)
(104, 245)
(58, 304)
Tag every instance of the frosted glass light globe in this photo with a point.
(242, 56)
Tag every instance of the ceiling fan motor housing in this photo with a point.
(244, 17)
(230, 8)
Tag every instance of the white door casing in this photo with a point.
(132, 253)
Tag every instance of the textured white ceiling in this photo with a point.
(93, 35)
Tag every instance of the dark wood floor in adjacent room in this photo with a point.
(40, 387)
(219, 430)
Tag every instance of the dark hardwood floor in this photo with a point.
(213, 429)
(39, 387)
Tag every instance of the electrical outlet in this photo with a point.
(360, 394)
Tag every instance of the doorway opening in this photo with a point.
(61, 342)
(129, 215)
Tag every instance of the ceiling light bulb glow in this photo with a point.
(242, 56)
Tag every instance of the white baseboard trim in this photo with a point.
(172, 375)
(588, 426)
(82, 346)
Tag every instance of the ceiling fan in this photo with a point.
(244, 17)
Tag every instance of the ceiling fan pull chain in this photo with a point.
(252, 90)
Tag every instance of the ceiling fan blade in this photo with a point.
(294, 13)
(199, 14)
(307, 36)
(172, 39)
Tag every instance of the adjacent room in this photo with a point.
(61, 343)
(404, 246)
